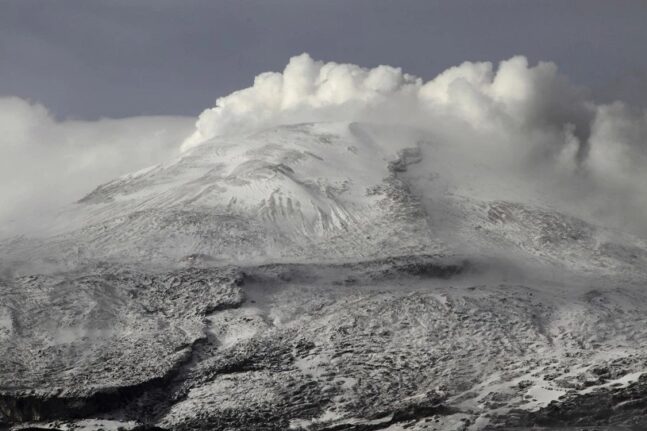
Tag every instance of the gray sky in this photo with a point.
(87, 59)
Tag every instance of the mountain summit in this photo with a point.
(307, 191)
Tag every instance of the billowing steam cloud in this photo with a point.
(45, 163)
(513, 124)
(503, 132)
(308, 90)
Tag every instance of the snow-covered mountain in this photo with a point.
(312, 191)
(317, 192)
(321, 276)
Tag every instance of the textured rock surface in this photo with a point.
(153, 306)
(80, 342)
(407, 341)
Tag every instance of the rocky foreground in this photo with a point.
(402, 343)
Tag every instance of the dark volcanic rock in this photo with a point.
(623, 408)
(79, 344)
(353, 346)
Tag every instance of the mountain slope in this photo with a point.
(295, 192)
(320, 277)
(313, 192)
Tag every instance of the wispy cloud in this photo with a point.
(46, 163)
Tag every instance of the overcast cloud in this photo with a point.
(118, 58)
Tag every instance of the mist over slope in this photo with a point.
(324, 192)
(47, 163)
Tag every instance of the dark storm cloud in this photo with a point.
(88, 59)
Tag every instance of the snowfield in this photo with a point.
(327, 276)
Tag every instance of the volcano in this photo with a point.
(321, 276)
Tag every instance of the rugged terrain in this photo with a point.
(302, 278)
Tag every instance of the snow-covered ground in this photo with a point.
(322, 276)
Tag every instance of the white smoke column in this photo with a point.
(617, 162)
(307, 90)
(526, 124)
